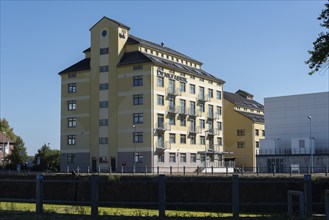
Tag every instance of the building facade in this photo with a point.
(244, 128)
(6, 146)
(133, 104)
(297, 133)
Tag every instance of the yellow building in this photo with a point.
(244, 127)
(133, 104)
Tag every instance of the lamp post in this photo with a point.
(134, 156)
(311, 145)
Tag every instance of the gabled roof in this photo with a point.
(118, 23)
(79, 66)
(141, 57)
(135, 40)
(241, 101)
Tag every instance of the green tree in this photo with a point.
(319, 54)
(5, 128)
(47, 158)
(18, 154)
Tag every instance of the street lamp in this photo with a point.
(311, 146)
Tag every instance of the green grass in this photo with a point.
(68, 212)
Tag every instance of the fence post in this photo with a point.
(145, 170)
(94, 196)
(170, 170)
(197, 170)
(212, 170)
(308, 194)
(326, 170)
(257, 170)
(235, 196)
(158, 170)
(67, 169)
(162, 196)
(326, 196)
(121, 170)
(88, 170)
(184, 170)
(39, 194)
(226, 170)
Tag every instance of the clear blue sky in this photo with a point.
(257, 46)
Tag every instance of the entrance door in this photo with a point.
(94, 165)
(113, 164)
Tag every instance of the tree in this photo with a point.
(320, 53)
(47, 158)
(18, 154)
(5, 128)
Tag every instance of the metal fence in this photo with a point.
(165, 186)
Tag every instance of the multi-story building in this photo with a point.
(244, 127)
(297, 133)
(133, 103)
(6, 146)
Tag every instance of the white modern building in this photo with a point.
(297, 133)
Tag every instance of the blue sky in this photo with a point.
(256, 46)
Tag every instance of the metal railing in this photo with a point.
(172, 192)
(318, 151)
(172, 91)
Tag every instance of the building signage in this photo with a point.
(171, 76)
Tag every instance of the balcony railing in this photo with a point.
(172, 109)
(162, 126)
(203, 98)
(193, 112)
(213, 131)
(182, 110)
(171, 91)
(211, 115)
(162, 145)
(194, 130)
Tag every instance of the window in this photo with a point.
(182, 106)
(219, 125)
(172, 157)
(182, 121)
(138, 81)
(72, 75)
(103, 104)
(72, 88)
(160, 99)
(256, 132)
(160, 81)
(202, 123)
(193, 158)
(219, 111)
(71, 158)
(192, 139)
(301, 143)
(211, 111)
(183, 139)
(160, 158)
(103, 140)
(172, 138)
(103, 69)
(137, 99)
(182, 87)
(138, 137)
(138, 118)
(103, 51)
(263, 133)
(71, 105)
(202, 157)
(220, 141)
(192, 108)
(241, 132)
(218, 94)
(202, 140)
(71, 139)
(138, 67)
(172, 120)
(241, 144)
(201, 80)
(103, 122)
(257, 144)
(201, 107)
(103, 86)
(183, 157)
(139, 158)
(210, 93)
(71, 122)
